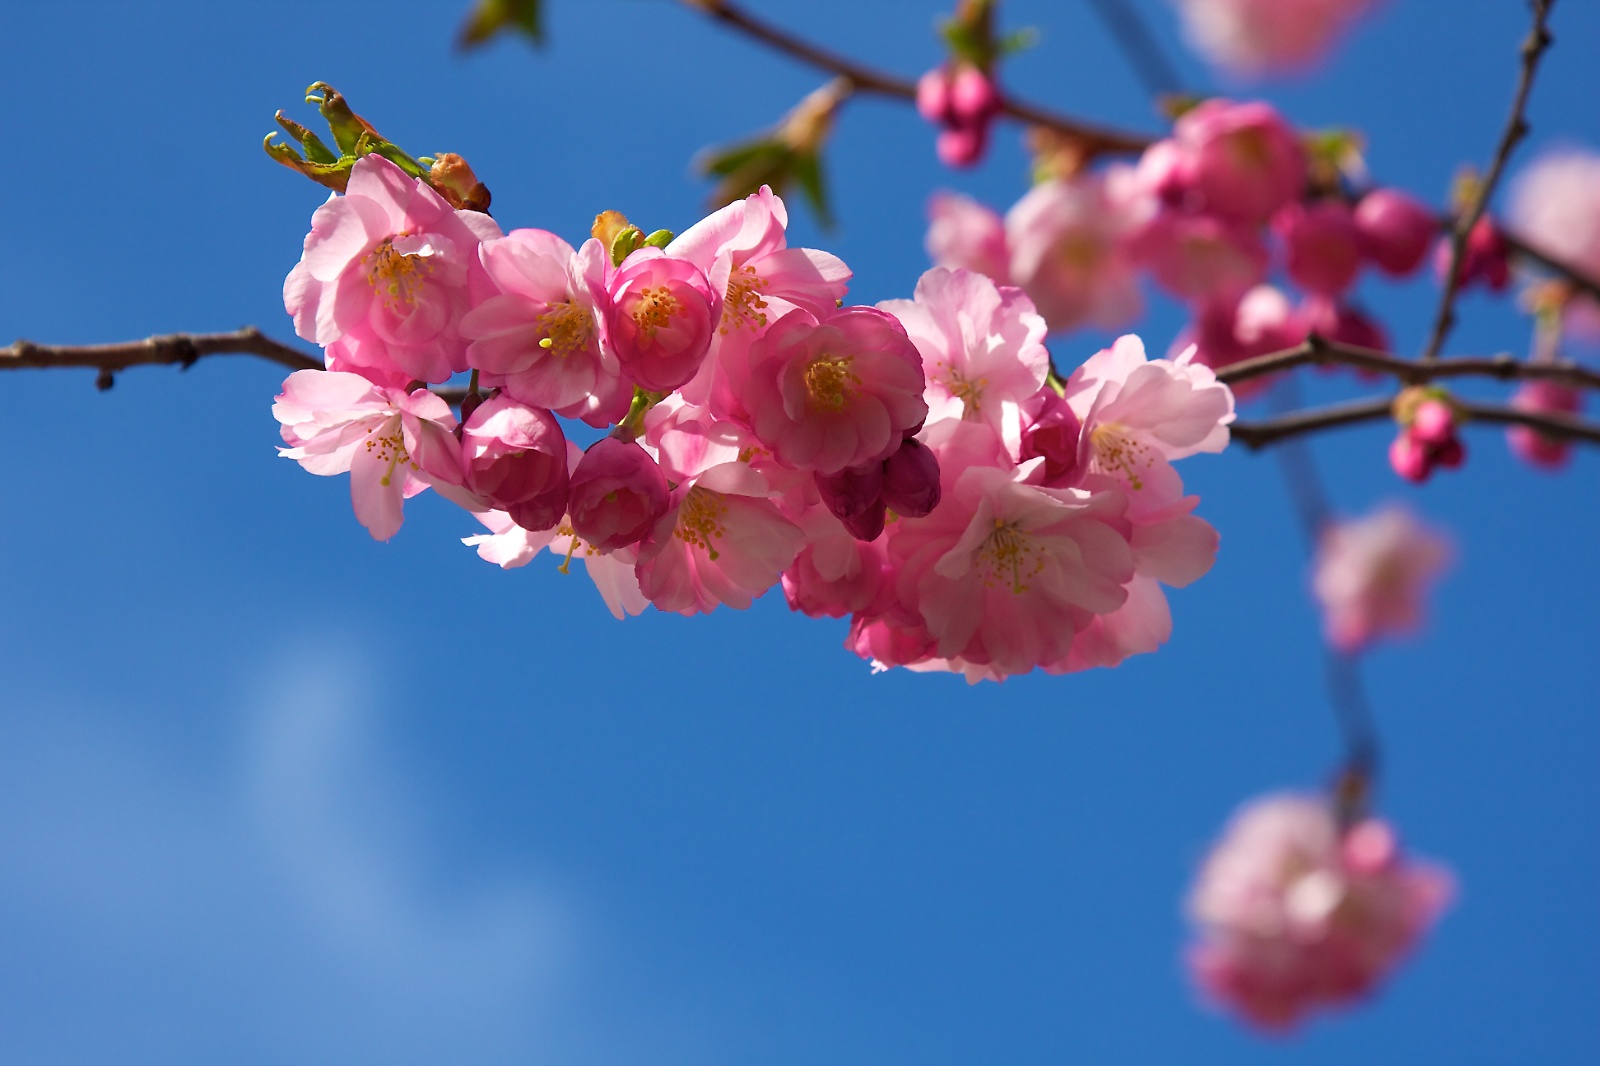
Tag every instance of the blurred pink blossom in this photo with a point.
(1251, 38)
(1372, 574)
(1528, 444)
(1555, 207)
(964, 233)
(1070, 252)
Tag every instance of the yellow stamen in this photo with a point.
(830, 384)
(394, 277)
(743, 305)
(1009, 556)
(700, 521)
(567, 327)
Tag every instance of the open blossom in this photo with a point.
(1256, 37)
(1295, 914)
(964, 233)
(660, 317)
(1200, 256)
(1240, 161)
(1322, 245)
(1555, 207)
(538, 336)
(388, 262)
(1372, 574)
(1070, 251)
(824, 394)
(982, 348)
(393, 444)
(835, 574)
(515, 457)
(616, 494)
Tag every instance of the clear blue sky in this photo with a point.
(271, 792)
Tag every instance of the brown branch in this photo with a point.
(1093, 140)
(1319, 351)
(1573, 276)
(174, 349)
(1533, 47)
(1255, 435)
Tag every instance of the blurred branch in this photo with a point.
(174, 349)
(1094, 140)
(1319, 351)
(1379, 408)
(1139, 45)
(1533, 47)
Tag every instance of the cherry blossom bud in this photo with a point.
(1322, 245)
(1054, 435)
(1528, 444)
(454, 180)
(869, 523)
(618, 493)
(911, 480)
(933, 96)
(973, 99)
(851, 492)
(516, 457)
(1409, 458)
(961, 146)
(1395, 230)
(1484, 259)
(1433, 422)
(662, 317)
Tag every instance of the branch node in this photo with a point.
(105, 379)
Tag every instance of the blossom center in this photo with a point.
(744, 305)
(700, 520)
(830, 383)
(1009, 557)
(968, 390)
(394, 276)
(389, 442)
(567, 327)
(1116, 451)
(654, 310)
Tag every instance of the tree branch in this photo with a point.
(180, 349)
(1255, 435)
(1094, 140)
(1533, 47)
(1320, 351)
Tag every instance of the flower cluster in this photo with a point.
(916, 465)
(1297, 913)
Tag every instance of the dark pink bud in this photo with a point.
(1409, 458)
(1341, 322)
(1484, 260)
(660, 319)
(962, 146)
(869, 523)
(1528, 444)
(1395, 229)
(888, 642)
(1322, 246)
(617, 494)
(515, 456)
(933, 96)
(911, 480)
(974, 99)
(1451, 454)
(852, 491)
(1054, 435)
(1434, 423)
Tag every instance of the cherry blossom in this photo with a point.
(1258, 37)
(1372, 574)
(1531, 446)
(660, 316)
(964, 233)
(515, 457)
(1070, 249)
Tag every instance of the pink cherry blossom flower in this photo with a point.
(1228, 331)
(515, 457)
(835, 574)
(1396, 230)
(1201, 257)
(1070, 252)
(616, 494)
(1555, 207)
(1052, 434)
(1139, 414)
(962, 100)
(1244, 160)
(660, 317)
(1528, 444)
(962, 233)
(1002, 573)
(831, 392)
(509, 545)
(538, 336)
(1295, 914)
(1371, 575)
(982, 348)
(722, 541)
(389, 261)
(393, 444)
(1251, 38)
(1322, 246)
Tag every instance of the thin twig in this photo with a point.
(1533, 47)
(1139, 45)
(1375, 409)
(1092, 139)
(1315, 350)
(173, 349)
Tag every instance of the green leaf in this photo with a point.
(490, 18)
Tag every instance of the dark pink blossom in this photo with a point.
(1396, 230)
(515, 457)
(1322, 246)
(617, 494)
(1244, 161)
(661, 316)
(1527, 443)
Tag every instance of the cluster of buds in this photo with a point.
(915, 465)
(1428, 436)
(960, 97)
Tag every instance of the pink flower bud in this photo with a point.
(1451, 454)
(869, 523)
(1395, 230)
(618, 494)
(1322, 245)
(1339, 321)
(851, 492)
(933, 96)
(661, 319)
(516, 457)
(974, 99)
(911, 480)
(1246, 161)
(962, 146)
(1484, 259)
(1409, 458)
(1054, 435)
(1434, 423)
(1370, 848)
(886, 642)
(1531, 446)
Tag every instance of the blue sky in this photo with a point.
(270, 791)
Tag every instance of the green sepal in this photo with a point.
(625, 243)
(660, 238)
(490, 18)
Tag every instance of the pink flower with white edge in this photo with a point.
(1372, 574)
(1070, 252)
(393, 444)
(1527, 443)
(507, 544)
(1003, 573)
(538, 336)
(1555, 207)
(389, 261)
(1140, 414)
(661, 317)
(982, 348)
(1322, 246)
(1396, 230)
(515, 457)
(1201, 257)
(1296, 914)
(1252, 38)
(831, 392)
(616, 495)
(1244, 160)
(722, 541)
(962, 233)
